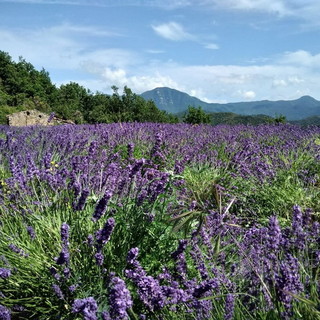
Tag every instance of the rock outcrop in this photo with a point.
(34, 118)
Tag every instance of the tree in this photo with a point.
(196, 116)
(280, 119)
(71, 100)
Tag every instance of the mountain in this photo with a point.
(172, 100)
(175, 101)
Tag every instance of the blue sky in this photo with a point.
(216, 50)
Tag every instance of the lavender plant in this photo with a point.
(93, 222)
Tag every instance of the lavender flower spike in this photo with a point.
(65, 233)
(5, 273)
(99, 258)
(31, 232)
(58, 291)
(101, 206)
(103, 235)
(82, 201)
(132, 256)
(5, 313)
(64, 256)
(229, 306)
(51, 117)
(119, 299)
(87, 306)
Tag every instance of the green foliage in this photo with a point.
(260, 200)
(22, 87)
(280, 119)
(196, 116)
(233, 118)
(128, 107)
(71, 102)
(6, 110)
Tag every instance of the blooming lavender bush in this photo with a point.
(157, 221)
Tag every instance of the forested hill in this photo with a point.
(22, 87)
(176, 101)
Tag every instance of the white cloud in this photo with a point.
(273, 6)
(279, 83)
(289, 81)
(248, 95)
(307, 11)
(59, 47)
(301, 58)
(67, 28)
(172, 31)
(211, 46)
(153, 51)
(138, 83)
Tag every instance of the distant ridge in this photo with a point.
(175, 101)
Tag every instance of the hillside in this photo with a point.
(176, 101)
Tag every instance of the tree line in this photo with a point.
(22, 87)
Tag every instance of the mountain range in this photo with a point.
(175, 101)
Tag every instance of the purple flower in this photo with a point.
(90, 240)
(132, 255)
(229, 306)
(67, 273)
(51, 117)
(64, 256)
(288, 282)
(204, 287)
(101, 206)
(99, 258)
(5, 313)
(103, 235)
(105, 315)
(119, 299)
(73, 288)
(297, 228)
(87, 307)
(181, 248)
(54, 272)
(130, 148)
(15, 249)
(274, 234)
(82, 201)
(149, 289)
(31, 232)
(65, 233)
(5, 273)
(58, 291)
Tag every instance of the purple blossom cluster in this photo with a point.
(84, 158)
(119, 299)
(5, 313)
(64, 256)
(76, 164)
(87, 307)
(5, 273)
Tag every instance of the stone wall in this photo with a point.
(33, 118)
(28, 118)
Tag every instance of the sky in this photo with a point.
(217, 50)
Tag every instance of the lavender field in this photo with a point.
(159, 221)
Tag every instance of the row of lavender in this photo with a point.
(110, 222)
